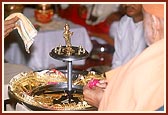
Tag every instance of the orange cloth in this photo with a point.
(155, 9)
(137, 85)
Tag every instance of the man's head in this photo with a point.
(153, 22)
(134, 11)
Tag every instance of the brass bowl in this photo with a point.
(44, 13)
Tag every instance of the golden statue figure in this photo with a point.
(67, 35)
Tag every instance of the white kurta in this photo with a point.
(129, 40)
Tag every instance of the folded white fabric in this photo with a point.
(25, 29)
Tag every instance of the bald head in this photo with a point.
(153, 22)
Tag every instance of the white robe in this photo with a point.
(128, 38)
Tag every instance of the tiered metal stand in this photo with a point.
(68, 54)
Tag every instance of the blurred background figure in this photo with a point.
(128, 34)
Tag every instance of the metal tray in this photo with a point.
(39, 91)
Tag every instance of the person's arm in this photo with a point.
(9, 25)
(105, 37)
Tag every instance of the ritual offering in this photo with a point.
(56, 90)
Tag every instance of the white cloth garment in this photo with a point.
(129, 40)
(25, 28)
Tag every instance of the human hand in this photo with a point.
(93, 96)
(9, 25)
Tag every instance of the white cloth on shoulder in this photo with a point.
(25, 29)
